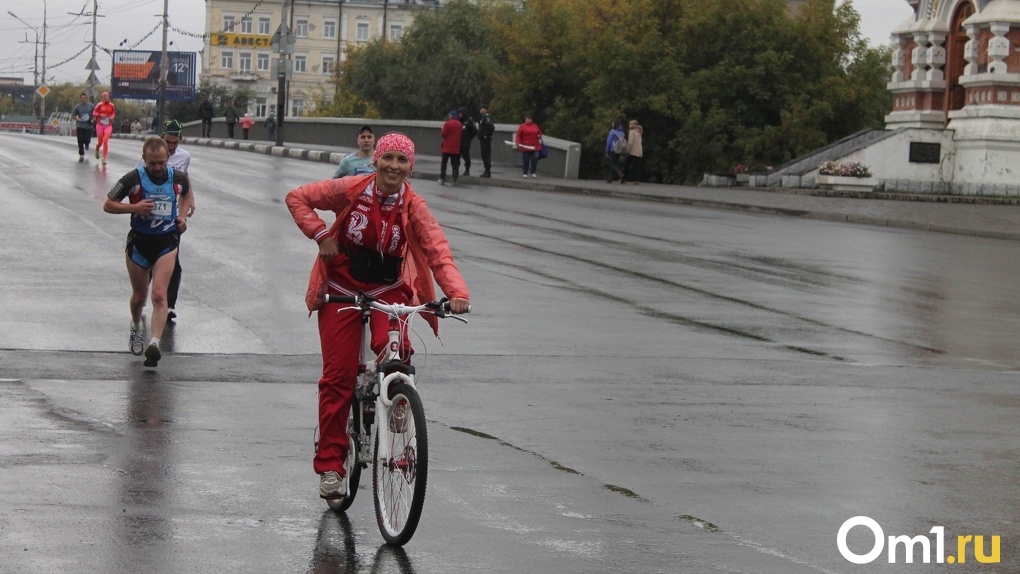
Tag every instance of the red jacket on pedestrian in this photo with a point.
(451, 136)
(528, 137)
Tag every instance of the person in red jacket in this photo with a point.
(528, 139)
(450, 133)
(103, 115)
(378, 216)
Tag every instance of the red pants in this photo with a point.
(103, 133)
(340, 336)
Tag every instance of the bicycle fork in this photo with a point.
(375, 381)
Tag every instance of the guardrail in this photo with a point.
(564, 159)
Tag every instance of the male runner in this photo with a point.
(180, 160)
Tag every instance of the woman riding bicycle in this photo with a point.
(385, 242)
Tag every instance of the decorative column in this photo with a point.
(987, 129)
(918, 86)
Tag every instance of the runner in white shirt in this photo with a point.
(179, 159)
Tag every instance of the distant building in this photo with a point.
(238, 51)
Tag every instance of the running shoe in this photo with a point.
(104, 161)
(152, 356)
(331, 485)
(137, 344)
(171, 314)
(97, 152)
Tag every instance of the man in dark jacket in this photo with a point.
(467, 134)
(230, 117)
(205, 113)
(486, 129)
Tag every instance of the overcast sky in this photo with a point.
(125, 23)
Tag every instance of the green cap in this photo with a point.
(173, 127)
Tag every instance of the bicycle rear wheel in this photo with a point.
(400, 479)
(351, 467)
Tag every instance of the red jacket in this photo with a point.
(428, 251)
(528, 137)
(450, 133)
(104, 110)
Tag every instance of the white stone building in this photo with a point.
(957, 69)
(238, 51)
(955, 124)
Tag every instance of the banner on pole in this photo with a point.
(136, 75)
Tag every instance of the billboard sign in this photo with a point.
(136, 75)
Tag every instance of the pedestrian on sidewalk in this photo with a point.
(616, 146)
(271, 127)
(450, 149)
(468, 134)
(230, 117)
(205, 113)
(362, 161)
(528, 140)
(158, 197)
(83, 124)
(486, 129)
(246, 124)
(635, 154)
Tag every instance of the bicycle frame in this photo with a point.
(397, 446)
(373, 381)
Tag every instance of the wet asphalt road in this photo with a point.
(642, 388)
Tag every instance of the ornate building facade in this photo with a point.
(957, 68)
(239, 49)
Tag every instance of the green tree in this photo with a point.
(714, 82)
(444, 60)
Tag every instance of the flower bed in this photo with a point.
(848, 169)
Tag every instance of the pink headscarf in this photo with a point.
(394, 141)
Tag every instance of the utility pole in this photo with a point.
(42, 104)
(283, 45)
(164, 67)
(339, 46)
(39, 81)
(92, 66)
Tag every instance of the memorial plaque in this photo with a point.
(924, 152)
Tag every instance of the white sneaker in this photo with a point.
(137, 343)
(534, 175)
(331, 485)
(525, 175)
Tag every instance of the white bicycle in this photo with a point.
(398, 450)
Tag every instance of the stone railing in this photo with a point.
(564, 159)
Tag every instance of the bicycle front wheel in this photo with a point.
(400, 478)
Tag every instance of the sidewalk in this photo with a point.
(991, 217)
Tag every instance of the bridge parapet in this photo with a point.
(564, 159)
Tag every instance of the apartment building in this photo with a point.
(239, 52)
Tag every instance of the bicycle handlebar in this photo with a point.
(363, 301)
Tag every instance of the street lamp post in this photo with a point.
(39, 81)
